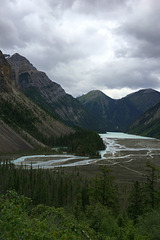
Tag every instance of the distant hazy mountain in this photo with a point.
(118, 115)
(148, 124)
(50, 95)
(23, 125)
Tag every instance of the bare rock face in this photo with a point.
(5, 74)
(28, 76)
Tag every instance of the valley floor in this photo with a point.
(127, 155)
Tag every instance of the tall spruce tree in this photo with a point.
(136, 202)
(104, 190)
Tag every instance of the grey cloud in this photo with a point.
(8, 34)
(61, 3)
(142, 30)
(92, 6)
(86, 44)
(133, 74)
(88, 5)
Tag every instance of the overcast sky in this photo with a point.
(110, 45)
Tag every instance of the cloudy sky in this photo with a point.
(110, 45)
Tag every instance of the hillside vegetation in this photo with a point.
(54, 205)
(148, 124)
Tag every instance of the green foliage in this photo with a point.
(152, 192)
(150, 225)
(82, 142)
(144, 197)
(67, 206)
(13, 113)
(41, 222)
(137, 202)
(102, 220)
(50, 187)
(104, 190)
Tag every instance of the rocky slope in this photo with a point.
(50, 95)
(10, 141)
(23, 125)
(118, 115)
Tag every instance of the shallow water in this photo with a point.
(121, 148)
(121, 135)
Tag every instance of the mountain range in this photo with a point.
(120, 114)
(50, 95)
(94, 110)
(34, 109)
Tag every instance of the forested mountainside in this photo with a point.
(23, 125)
(148, 124)
(144, 99)
(50, 95)
(118, 115)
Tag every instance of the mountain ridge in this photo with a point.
(94, 110)
(119, 114)
(50, 95)
(151, 96)
(148, 124)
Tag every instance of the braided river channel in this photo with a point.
(123, 151)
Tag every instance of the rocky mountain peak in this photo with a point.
(20, 64)
(17, 58)
(94, 95)
(27, 76)
(50, 95)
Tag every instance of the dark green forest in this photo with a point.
(52, 204)
(81, 143)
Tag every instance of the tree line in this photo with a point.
(53, 204)
(82, 142)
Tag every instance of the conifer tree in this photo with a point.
(152, 192)
(104, 190)
(136, 202)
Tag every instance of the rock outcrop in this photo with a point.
(5, 75)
